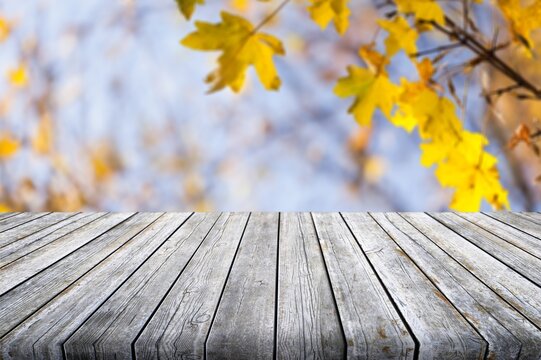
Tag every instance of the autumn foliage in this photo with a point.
(428, 105)
(458, 81)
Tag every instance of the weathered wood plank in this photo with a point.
(110, 331)
(20, 232)
(24, 268)
(517, 221)
(180, 326)
(308, 324)
(19, 219)
(518, 291)
(7, 215)
(507, 332)
(223, 286)
(372, 326)
(532, 216)
(440, 330)
(526, 242)
(22, 301)
(31, 243)
(45, 331)
(514, 257)
(243, 326)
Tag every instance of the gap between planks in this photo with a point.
(329, 263)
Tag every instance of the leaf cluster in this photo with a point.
(428, 105)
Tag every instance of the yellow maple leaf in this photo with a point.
(8, 146)
(435, 115)
(5, 29)
(5, 208)
(437, 118)
(371, 91)
(425, 68)
(523, 20)
(325, 11)
(18, 76)
(187, 7)
(408, 116)
(401, 36)
(242, 46)
(439, 149)
(240, 5)
(404, 120)
(435, 151)
(375, 61)
(427, 10)
(461, 161)
(474, 175)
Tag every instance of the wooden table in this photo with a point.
(264, 285)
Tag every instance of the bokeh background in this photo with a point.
(111, 114)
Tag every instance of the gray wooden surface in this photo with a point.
(270, 285)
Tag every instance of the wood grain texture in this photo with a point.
(18, 219)
(518, 221)
(181, 324)
(23, 300)
(532, 216)
(513, 256)
(47, 329)
(269, 285)
(7, 215)
(507, 332)
(522, 240)
(115, 325)
(30, 243)
(518, 291)
(308, 324)
(440, 330)
(20, 232)
(372, 326)
(24, 268)
(243, 326)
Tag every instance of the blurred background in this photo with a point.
(102, 109)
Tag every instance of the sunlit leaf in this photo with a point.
(371, 91)
(474, 175)
(401, 36)
(523, 20)
(242, 46)
(325, 11)
(187, 7)
(427, 10)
